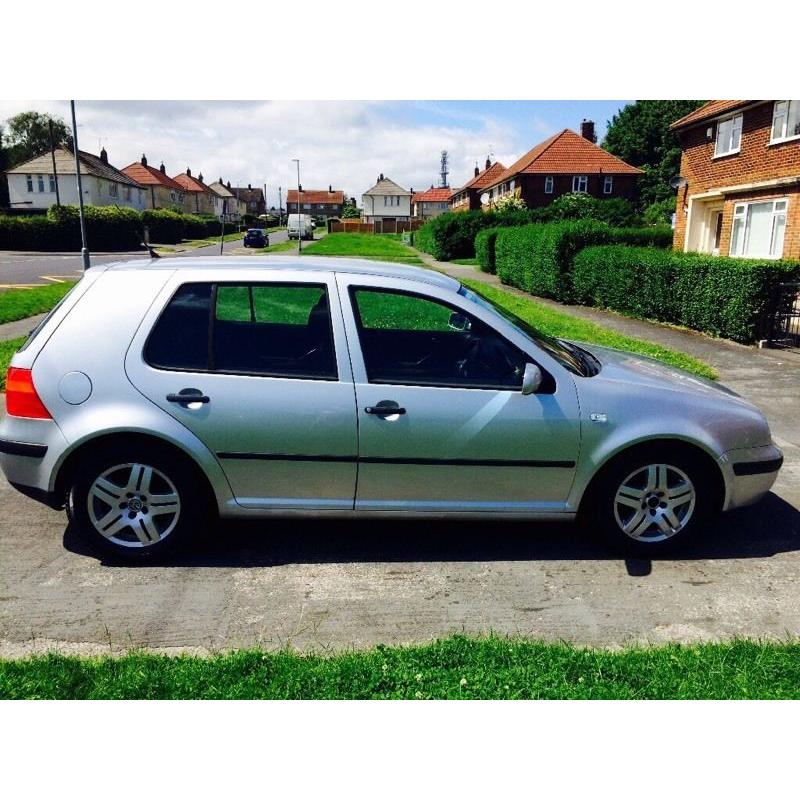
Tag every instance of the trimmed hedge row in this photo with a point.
(727, 297)
(538, 258)
(108, 228)
(484, 249)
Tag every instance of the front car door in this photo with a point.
(463, 438)
(270, 355)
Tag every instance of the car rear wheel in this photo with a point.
(136, 503)
(648, 502)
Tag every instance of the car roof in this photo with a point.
(355, 266)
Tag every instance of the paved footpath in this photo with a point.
(320, 585)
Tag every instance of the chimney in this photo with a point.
(144, 160)
(220, 181)
(477, 171)
(200, 177)
(228, 184)
(104, 156)
(330, 189)
(488, 162)
(163, 168)
(249, 186)
(188, 172)
(381, 177)
(587, 130)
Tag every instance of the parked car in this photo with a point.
(300, 226)
(347, 387)
(256, 237)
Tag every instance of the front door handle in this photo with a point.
(386, 408)
(186, 396)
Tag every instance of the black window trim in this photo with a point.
(210, 368)
(353, 288)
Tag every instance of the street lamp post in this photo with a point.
(84, 246)
(299, 233)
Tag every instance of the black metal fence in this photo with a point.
(785, 316)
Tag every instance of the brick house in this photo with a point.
(431, 202)
(741, 167)
(251, 201)
(226, 206)
(468, 197)
(567, 162)
(161, 190)
(199, 199)
(316, 202)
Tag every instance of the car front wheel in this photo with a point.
(649, 502)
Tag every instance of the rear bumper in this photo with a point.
(749, 474)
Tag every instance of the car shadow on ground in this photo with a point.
(769, 528)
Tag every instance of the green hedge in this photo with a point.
(164, 226)
(538, 258)
(727, 297)
(484, 249)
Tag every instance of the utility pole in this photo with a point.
(299, 232)
(280, 207)
(265, 209)
(84, 245)
(53, 155)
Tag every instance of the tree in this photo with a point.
(640, 135)
(350, 211)
(28, 135)
(509, 202)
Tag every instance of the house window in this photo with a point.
(29, 181)
(580, 183)
(785, 120)
(608, 184)
(306, 205)
(548, 185)
(113, 190)
(729, 136)
(52, 183)
(758, 229)
(40, 182)
(127, 192)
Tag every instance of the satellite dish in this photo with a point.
(678, 182)
(485, 198)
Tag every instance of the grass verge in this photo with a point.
(364, 245)
(465, 262)
(20, 303)
(453, 668)
(564, 326)
(7, 349)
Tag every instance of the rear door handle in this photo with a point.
(386, 408)
(186, 396)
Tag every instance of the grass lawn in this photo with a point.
(20, 303)
(7, 349)
(564, 326)
(465, 262)
(454, 668)
(364, 245)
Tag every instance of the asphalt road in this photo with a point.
(19, 268)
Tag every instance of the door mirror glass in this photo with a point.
(459, 322)
(531, 379)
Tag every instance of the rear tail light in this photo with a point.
(21, 397)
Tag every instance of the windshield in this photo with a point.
(566, 355)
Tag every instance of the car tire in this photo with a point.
(651, 500)
(137, 502)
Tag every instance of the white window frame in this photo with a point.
(29, 182)
(736, 121)
(608, 184)
(780, 207)
(577, 180)
(789, 104)
(549, 184)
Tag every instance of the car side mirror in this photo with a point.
(531, 379)
(459, 322)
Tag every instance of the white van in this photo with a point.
(300, 226)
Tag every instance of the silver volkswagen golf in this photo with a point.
(161, 395)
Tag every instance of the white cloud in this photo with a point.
(342, 143)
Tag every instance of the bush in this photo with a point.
(616, 211)
(660, 213)
(484, 249)
(107, 227)
(727, 297)
(165, 227)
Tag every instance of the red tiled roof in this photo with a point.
(433, 195)
(189, 183)
(568, 153)
(484, 178)
(316, 196)
(711, 109)
(150, 176)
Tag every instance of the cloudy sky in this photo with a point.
(343, 143)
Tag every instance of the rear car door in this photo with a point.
(266, 361)
(464, 437)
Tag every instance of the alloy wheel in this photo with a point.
(133, 505)
(654, 502)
